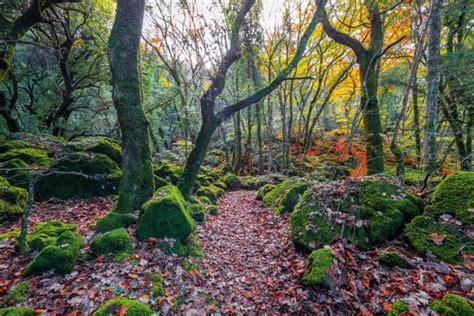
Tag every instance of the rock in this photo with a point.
(319, 261)
(116, 242)
(13, 201)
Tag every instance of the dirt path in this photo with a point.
(250, 261)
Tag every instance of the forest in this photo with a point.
(236, 157)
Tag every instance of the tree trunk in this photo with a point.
(137, 184)
(416, 121)
(432, 65)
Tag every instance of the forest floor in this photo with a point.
(250, 265)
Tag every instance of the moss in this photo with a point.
(115, 305)
(233, 181)
(116, 242)
(17, 311)
(452, 305)
(160, 182)
(398, 307)
(393, 259)
(165, 215)
(168, 171)
(18, 293)
(213, 209)
(211, 192)
(197, 211)
(60, 257)
(264, 190)
(319, 261)
(31, 156)
(290, 198)
(451, 247)
(187, 247)
(46, 233)
(220, 185)
(366, 213)
(273, 196)
(455, 196)
(205, 200)
(13, 200)
(14, 144)
(113, 221)
(17, 172)
(157, 286)
(99, 145)
(14, 233)
(105, 179)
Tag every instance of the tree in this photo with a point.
(368, 59)
(210, 119)
(432, 66)
(137, 184)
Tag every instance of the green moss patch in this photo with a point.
(30, 156)
(213, 209)
(398, 307)
(157, 285)
(47, 233)
(116, 242)
(452, 305)
(197, 211)
(365, 211)
(113, 221)
(264, 190)
(60, 257)
(233, 181)
(168, 171)
(290, 198)
(455, 196)
(212, 192)
(442, 239)
(273, 197)
(319, 261)
(189, 247)
(17, 172)
(165, 215)
(393, 259)
(80, 175)
(13, 201)
(17, 294)
(116, 305)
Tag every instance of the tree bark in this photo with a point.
(137, 184)
(432, 65)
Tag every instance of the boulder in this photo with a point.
(116, 242)
(13, 201)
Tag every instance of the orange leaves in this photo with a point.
(437, 238)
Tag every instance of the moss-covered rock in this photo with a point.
(205, 200)
(211, 192)
(31, 156)
(99, 145)
(233, 181)
(165, 215)
(160, 182)
(452, 305)
(113, 221)
(442, 239)
(264, 190)
(17, 294)
(13, 145)
(13, 201)
(46, 233)
(17, 172)
(168, 171)
(84, 175)
(157, 285)
(213, 209)
(319, 261)
(455, 196)
(197, 211)
(398, 307)
(290, 198)
(273, 197)
(190, 246)
(364, 211)
(116, 305)
(116, 242)
(60, 257)
(220, 185)
(17, 311)
(393, 259)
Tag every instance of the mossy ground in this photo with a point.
(165, 215)
(115, 305)
(116, 242)
(315, 272)
(18, 293)
(398, 307)
(17, 311)
(393, 259)
(157, 286)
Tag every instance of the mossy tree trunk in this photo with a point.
(212, 120)
(137, 184)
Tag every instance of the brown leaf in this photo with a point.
(437, 238)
